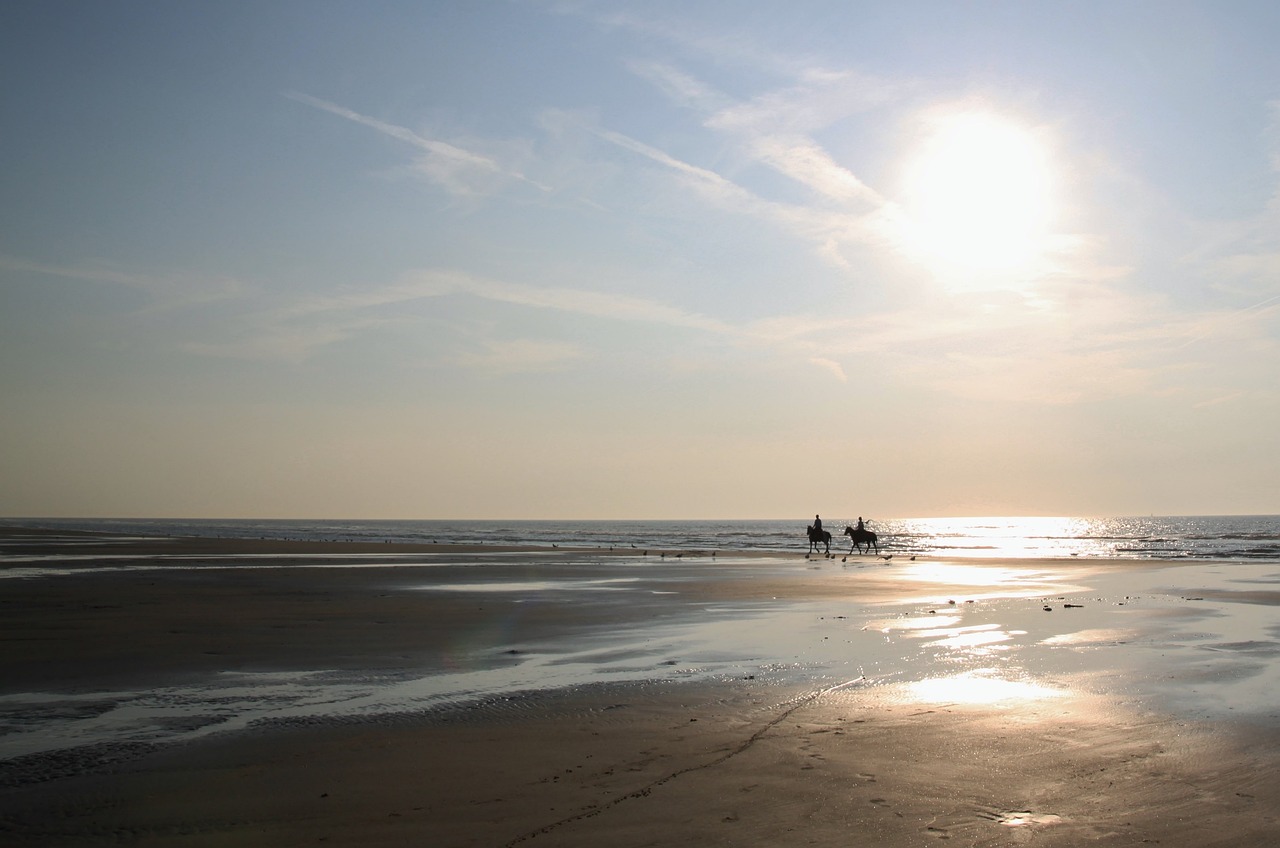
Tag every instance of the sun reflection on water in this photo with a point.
(982, 686)
(1017, 536)
(986, 636)
(977, 644)
(977, 581)
(932, 622)
(967, 574)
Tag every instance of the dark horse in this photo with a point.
(860, 538)
(817, 537)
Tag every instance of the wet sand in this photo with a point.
(735, 700)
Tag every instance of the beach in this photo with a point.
(220, 692)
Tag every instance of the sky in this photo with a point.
(554, 259)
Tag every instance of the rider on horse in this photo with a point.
(818, 536)
(860, 536)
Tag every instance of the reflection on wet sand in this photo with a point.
(985, 686)
(1026, 631)
(980, 636)
(1094, 636)
(983, 580)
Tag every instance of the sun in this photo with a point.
(978, 195)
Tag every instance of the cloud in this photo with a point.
(820, 99)
(808, 164)
(266, 339)
(708, 182)
(165, 291)
(520, 356)
(294, 331)
(681, 87)
(1220, 400)
(830, 365)
(770, 130)
(439, 283)
(1227, 323)
(774, 126)
(827, 230)
(716, 43)
(457, 170)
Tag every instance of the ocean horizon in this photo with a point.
(1225, 537)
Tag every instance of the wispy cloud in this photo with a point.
(439, 283)
(717, 43)
(1221, 323)
(296, 330)
(1039, 349)
(817, 100)
(831, 366)
(708, 181)
(519, 356)
(275, 341)
(775, 127)
(681, 87)
(826, 229)
(164, 291)
(771, 130)
(807, 163)
(1220, 400)
(456, 169)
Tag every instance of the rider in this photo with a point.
(860, 527)
(817, 524)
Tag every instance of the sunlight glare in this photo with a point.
(982, 636)
(961, 574)
(979, 687)
(978, 196)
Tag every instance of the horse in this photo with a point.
(860, 538)
(818, 536)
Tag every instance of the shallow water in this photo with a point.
(1199, 641)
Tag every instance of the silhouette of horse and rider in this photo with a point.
(859, 536)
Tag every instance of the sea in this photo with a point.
(1205, 537)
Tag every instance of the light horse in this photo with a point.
(817, 537)
(860, 538)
